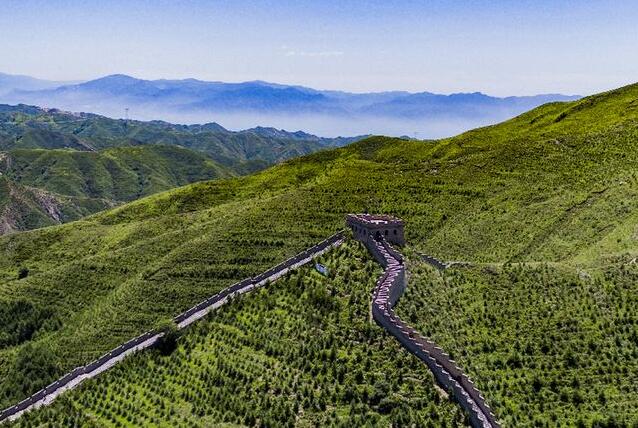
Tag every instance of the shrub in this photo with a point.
(23, 272)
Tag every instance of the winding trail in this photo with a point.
(390, 286)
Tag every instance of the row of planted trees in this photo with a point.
(301, 351)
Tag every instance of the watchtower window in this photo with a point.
(386, 233)
(395, 231)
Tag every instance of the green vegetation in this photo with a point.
(168, 342)
(549, 346)
(57, 167)
(24, 207)
(20, 320)
(539, 204)
(25, 127)
(301, 352)
(121, 174)
(45, 187)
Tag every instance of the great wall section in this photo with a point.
(374, 232)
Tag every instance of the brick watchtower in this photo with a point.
(364, 225)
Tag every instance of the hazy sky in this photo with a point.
(501, 48)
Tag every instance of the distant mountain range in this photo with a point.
(10, 83)
(248, 104)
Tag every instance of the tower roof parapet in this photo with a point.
(368, 220)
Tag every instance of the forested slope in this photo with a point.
(46, 187)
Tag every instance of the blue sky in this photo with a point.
(501, 48)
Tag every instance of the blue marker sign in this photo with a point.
(321, 269)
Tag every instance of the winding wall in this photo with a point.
(76, 376)
(434, 262)
(390, 286)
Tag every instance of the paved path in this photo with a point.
(201, 314)
(49, 398)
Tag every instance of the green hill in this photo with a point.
(78, 163)
(23, 207)
(26, 127)
(543, 207)
(45, 187)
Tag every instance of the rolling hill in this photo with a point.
(24, 207)
(58, 166)
(27, 127)
(45, 187)
(246, 104)
(542, 315)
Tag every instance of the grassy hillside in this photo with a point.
(122, 174)
(561, 350)
(543, 206)
(45, 187)
(24, 207)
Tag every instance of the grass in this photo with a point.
(120, 175)
(54, 186)
(552, 191)
(26, 127)
(549, 345)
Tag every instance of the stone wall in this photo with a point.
(390, 286)
(434, 261)
(148, 339)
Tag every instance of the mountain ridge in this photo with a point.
(249, 104)
(12, 82)
(106, 162)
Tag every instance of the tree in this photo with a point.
(23, 272)
(168, 342)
